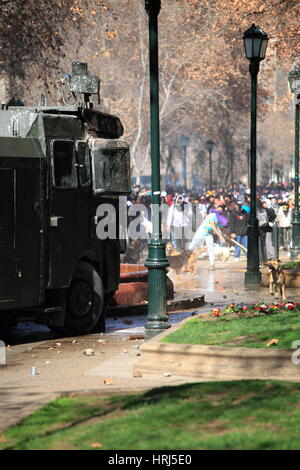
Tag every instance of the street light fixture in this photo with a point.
(294, 79)
(157, 260)
(210, 146)
(184, 142)
(255, 44)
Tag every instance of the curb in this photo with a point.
(214, 362)
(172, 306)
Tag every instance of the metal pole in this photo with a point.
(210, 169)
(248, 165)
(157, 260)
(275, 239)
(295, 249)
(253, 274)
(184, 168)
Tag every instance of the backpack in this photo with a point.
(263, 219)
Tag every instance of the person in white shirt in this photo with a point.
(179, 216)
(284, 222)
(204, 234)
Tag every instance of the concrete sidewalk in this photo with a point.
(62, 368)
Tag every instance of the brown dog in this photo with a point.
(185, 261)
(171, 251)
(191, 265)
(179, 262)
(276, 279)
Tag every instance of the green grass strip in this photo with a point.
(214, 415)
(251, 332)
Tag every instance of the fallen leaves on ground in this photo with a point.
(108, 381)
(271, 342)
(96, 444)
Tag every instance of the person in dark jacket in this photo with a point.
(238, 226)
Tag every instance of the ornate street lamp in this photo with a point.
(184, 142)
(294, 79)
(157, 260)
(210, 146)
(255, 43)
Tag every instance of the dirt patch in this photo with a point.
(258, 425)
(240, 398)
(217, 333)
(215, 427)
(63, 446)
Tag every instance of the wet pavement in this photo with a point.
(226, 284)
(219, 287)
(62, 366)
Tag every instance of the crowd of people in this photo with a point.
(219, 216)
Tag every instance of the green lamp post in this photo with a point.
(294, 79)
(255, 43)
(157, 261)
(210, 146)
(271, 155)
(248, 165)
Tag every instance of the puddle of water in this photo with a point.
(139, 321)
(217, 282)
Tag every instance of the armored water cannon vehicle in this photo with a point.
(57, 165)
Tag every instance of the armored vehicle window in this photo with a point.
(110, 167)
(64, 170)
(83, 158)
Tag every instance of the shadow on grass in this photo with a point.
(64, 414)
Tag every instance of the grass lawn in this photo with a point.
(241, 331)
(214, 415)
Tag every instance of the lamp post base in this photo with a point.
(253, 274)
(157, 263)
(252, 278)
(295, 249)
(152, 328)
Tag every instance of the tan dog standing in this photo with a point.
(191, 265)
(277, 279)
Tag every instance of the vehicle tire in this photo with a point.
(85, 299)
(100, 325)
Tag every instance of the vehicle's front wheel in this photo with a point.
(85, 301)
